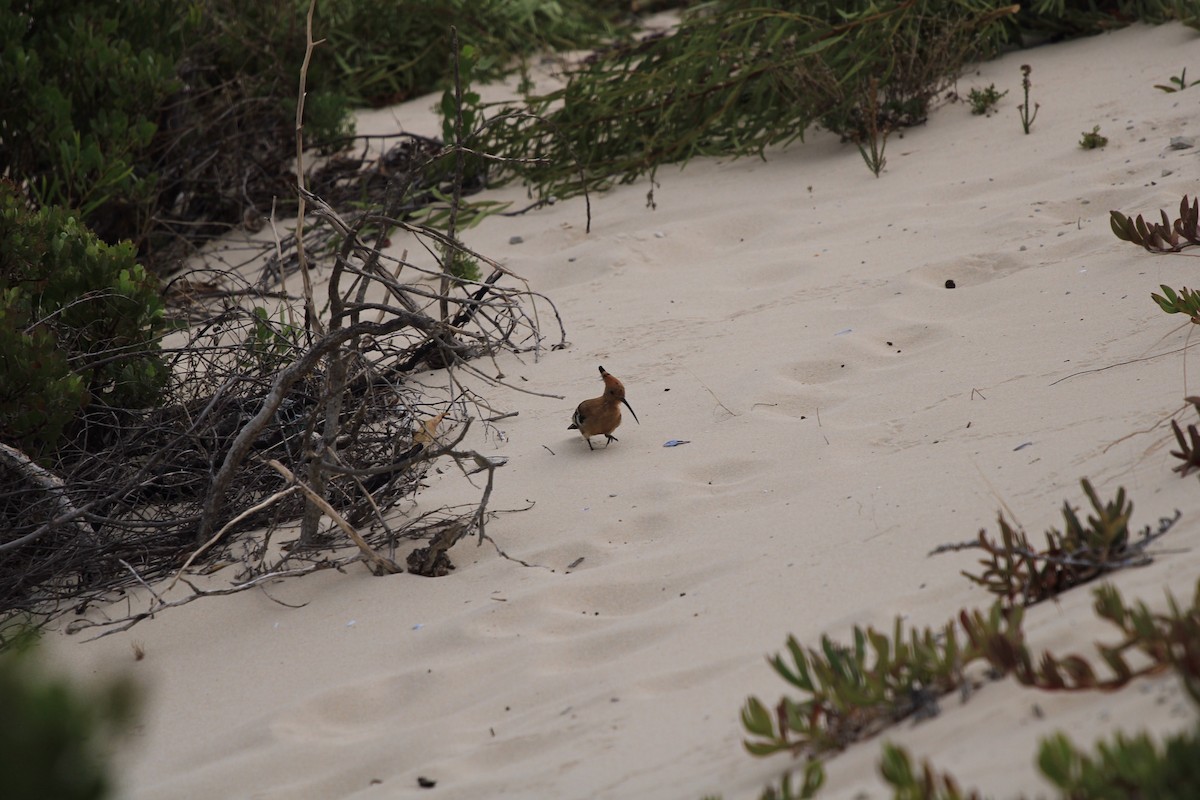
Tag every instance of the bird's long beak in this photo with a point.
(631, 411)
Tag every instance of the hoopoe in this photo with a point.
(601, 415)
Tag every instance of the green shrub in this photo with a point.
(51, 732)
(79, 321)
(1126, 766)
(1065, 18)
(160, 120)
(83, 84)
(736, 78)
(984, 100)
(1091, 140)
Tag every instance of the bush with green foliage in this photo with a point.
(1125, 766)
(83, 84)
(846, 693)
(926, 783)
(79, 324)
(158, 120)
(53, 735)
(734, 79)
(1060, 19)
(379, 52)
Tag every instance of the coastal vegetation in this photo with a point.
(174, 129)
(984, 100)
(849, 693)
(149, 417)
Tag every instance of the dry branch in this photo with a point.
(261, 385)
(283, 382)
(379, 565)
(52, 485)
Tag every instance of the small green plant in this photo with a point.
(79, 324)
(1134, 766)
(1162, 641)
(1126, 766)
(52, 733)
(850, 693)
(908, 783)
(1186, 301)
(810, 783)
(1020, 574)
(272, 343)
(1027, 115)
(1091, 140)
(1179, 83)
(873, 138)
(1165, 237)
(464, 267)
(1189, 447)
(984, 100)
(1168, 640)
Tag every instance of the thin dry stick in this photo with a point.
(52, 486)
(284, 380)
(396, 278)
(368, 497)
(1183, 349)
(731, 412)
(380, 564)
(498, 382)
(139, 579)
(279, 259)
(1151, 429)
(310, 311)
(331, 401)
(216, 537)
(449, 254)
(126, 623)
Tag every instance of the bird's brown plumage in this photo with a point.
(601, 415)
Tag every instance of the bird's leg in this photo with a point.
(589, 441)
(610, 439)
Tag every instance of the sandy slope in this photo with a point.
(846, 413)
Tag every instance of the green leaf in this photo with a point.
(757, 719)
(1056, 760)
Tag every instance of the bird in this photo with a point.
(601, 415)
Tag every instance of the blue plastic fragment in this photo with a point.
(675, 442)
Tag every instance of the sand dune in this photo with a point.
(845, 413)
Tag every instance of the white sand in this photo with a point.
(846, 413)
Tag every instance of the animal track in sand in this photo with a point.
(771, 272)
(344, 715)
(575, 631)
(599, 596)
(868, 361)
(879, 344)
(805, 388)
(816, 371)
(677, 680)
(726, 473)
(587, 649)
(968, 271)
